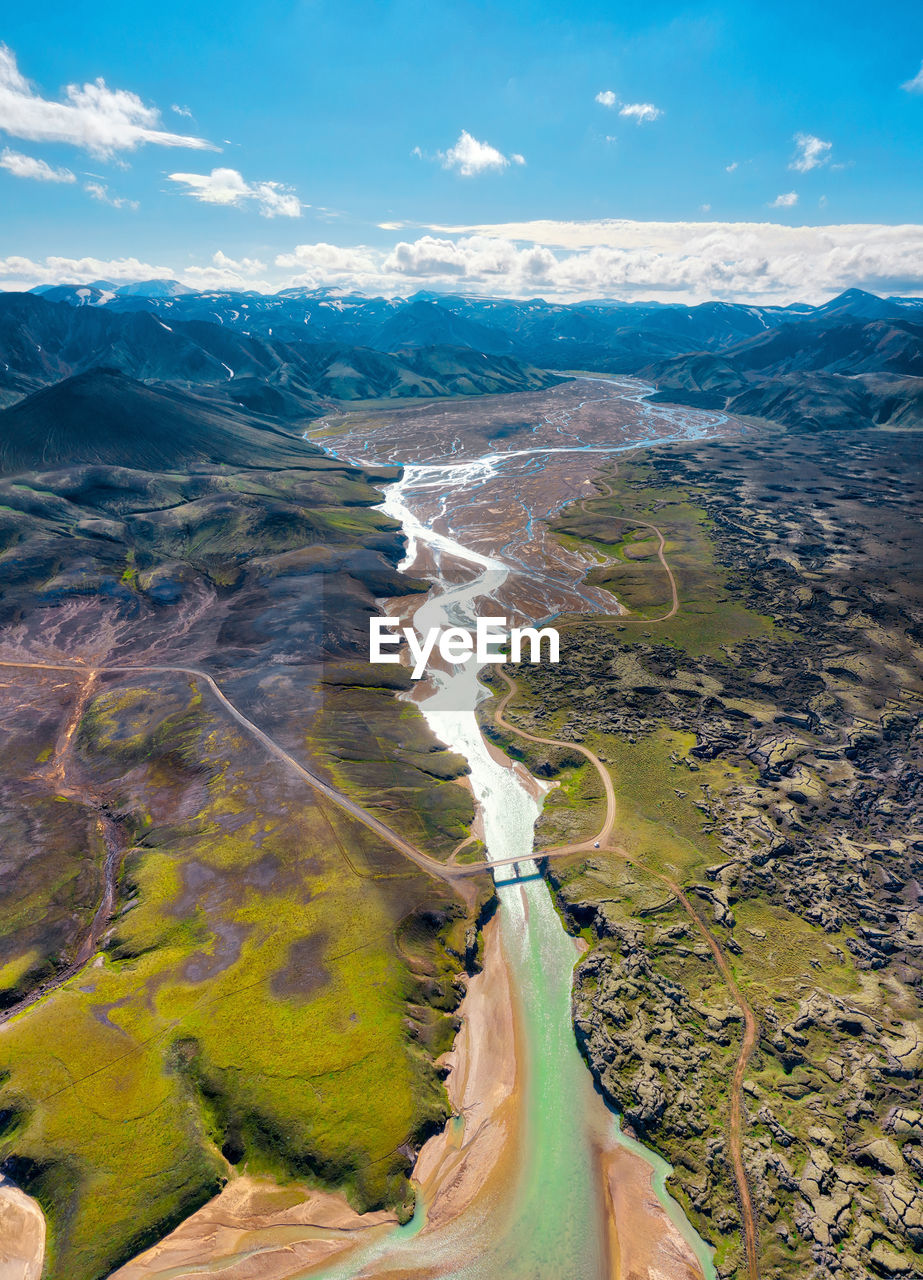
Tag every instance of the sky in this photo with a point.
(681, 152)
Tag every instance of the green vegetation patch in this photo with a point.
(380, 750)
(615, 528)
(271, 997)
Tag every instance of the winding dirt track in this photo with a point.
(450, 871)
(618, 617)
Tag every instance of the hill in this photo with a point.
(104, 417)
(850, 373)
(797, 362)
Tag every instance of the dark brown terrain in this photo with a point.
(764, 743)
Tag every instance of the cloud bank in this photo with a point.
(671, 261)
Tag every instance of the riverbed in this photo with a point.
(576, 1190)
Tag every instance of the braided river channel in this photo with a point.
(472, 512)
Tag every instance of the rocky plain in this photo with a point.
(765, 745)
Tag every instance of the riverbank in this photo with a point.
(258, 1230)
(476, 1149)
(642, 1239)
(514, 1185)
(22, 1234)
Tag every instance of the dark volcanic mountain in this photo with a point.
(546, 333)
(42, 342)
(283, 354)
(857, 360)
(851, 373)
(102, 416)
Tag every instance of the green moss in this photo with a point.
(602, 529)
(140, 1078)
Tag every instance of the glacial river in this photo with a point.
(550, 1222)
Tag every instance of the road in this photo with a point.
(621, 619)
(449, 871)
(454, 872)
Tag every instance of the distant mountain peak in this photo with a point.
(153, 289)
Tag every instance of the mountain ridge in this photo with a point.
(44, 341)
(101, 416)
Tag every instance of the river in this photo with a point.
(550, 1221)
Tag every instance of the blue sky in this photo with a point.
(622, 149)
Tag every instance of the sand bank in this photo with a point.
(467, 1158)
(257, 1230)
(22, 1234)
(643, 1242)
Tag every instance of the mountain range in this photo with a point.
(853, 361)
(43, 341)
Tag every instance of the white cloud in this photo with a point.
(99, 191)
(784, 201)
(181, 111)
(729, 168)
(228, 187)
(640, 112)
(517, 158)
(22, 273)
(93, 117)
(480, 257)
(318, 264)
(810, 152)
(226, 273)
(706, 208)
(916, 84)
(21, 166)
(683, 261)
(470, 157)
(765, 262)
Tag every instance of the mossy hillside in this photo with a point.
(574, 807)
(124, 726)
(380, 750)
(53, 849)
(120, 525)
(204, 1035)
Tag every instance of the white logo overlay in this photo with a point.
(492, 641)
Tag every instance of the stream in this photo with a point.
(551, 1220)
